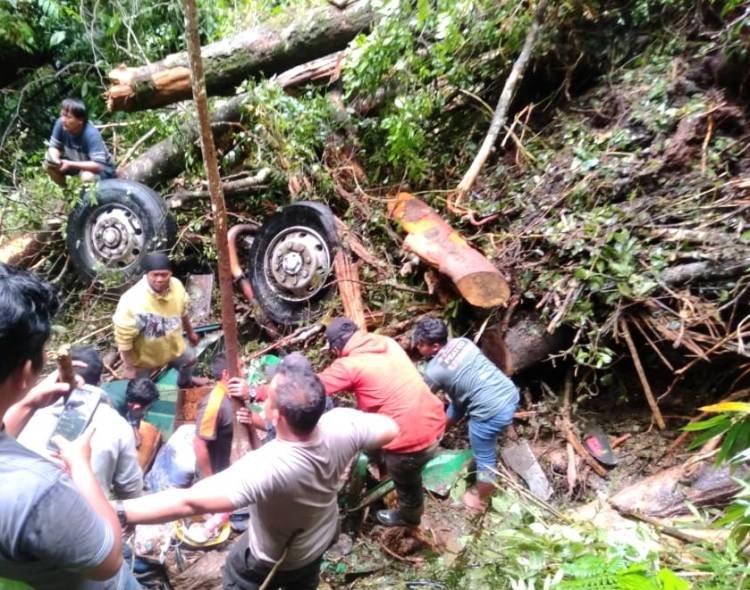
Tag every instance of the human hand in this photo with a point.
(244, 416)
(66, 165)
(238, 387)
(49, 390)
(193, 338)
(74, 454)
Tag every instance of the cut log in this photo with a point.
(439, 245)
(166, 159)
(667, 493)
(525, 344)
(267, 48)
(21, 251)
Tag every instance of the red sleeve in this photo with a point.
(336, 377)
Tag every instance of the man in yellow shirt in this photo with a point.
(149, 322)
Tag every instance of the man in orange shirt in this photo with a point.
(385, 381)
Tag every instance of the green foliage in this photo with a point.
(287, 133)
(732, 422)
(520, 547)
(419, 55)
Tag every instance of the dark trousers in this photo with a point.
(406, 471)
(243, 571)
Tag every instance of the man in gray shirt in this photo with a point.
(290, 485)
(114, 458)
(476, 387)
(57, 530)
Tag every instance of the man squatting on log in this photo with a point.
(290, 484)
(76, 147)
(476, 387)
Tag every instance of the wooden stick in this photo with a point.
(503, 104)
(572, 475)
(566, 427)
(242, 439)
(642, 376)
(667, 530)
(65, 367)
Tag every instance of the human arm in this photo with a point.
(206, 496)
(81, 165)
(126, 331)
(127, 481)
(202, 457)
(187, 326)
(336, 377)
(77, 458)
(43, 394)
(382, 430)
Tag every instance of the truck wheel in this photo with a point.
(116, 223)
(290, 264)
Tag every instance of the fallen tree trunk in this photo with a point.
(229, 188)
(706, 270)
(667, 493)
(523, 345)
(438, 244)
(265, 49)
(166, 159)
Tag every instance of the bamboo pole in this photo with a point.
(242, 439)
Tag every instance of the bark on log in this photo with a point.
(666, 493)
(438, 244)
(525, 344)
(229, 188)
(703, 271)
(266, 49)
(350, 291)
(166, 159)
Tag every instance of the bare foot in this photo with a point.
(471, 500)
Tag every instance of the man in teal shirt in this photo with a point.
(476, 387)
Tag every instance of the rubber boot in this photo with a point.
(400, 517)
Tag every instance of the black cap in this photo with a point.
(156, 261)
(339, 331)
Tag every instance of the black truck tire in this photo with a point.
(290, 264)
(116, 223)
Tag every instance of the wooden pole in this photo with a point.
(242, 439)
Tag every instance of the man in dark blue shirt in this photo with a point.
(476, 387)
(76, 147)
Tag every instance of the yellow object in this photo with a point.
(181, 533)
(150, 324)
(207, 427)
(742, 407)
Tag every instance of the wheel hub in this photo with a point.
(299, 261)
(116, 236)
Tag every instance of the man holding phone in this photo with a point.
(56, 530)
(114, 459)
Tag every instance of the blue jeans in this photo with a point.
(483, 438)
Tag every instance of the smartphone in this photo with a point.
(76, 415)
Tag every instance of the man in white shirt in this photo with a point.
(290, 485)
(114, 458)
